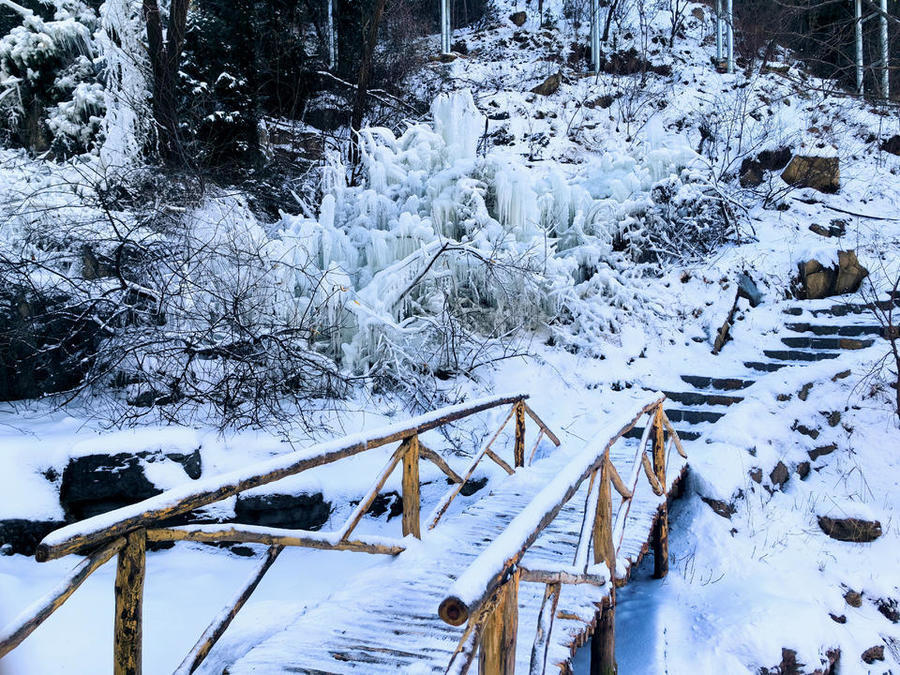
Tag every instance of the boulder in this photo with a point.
(850, 273)
(296, 512)
(518, 18)
(751, 178)
(94, 484)
(822, 450)
(22, 536)
(748, 289)
(820, 282)
(854, 530)
(820, 173)
(753, 168)
(719, 507)
(779, 475)
(873, 654)
(548, 86)
(892, 145)
(853, 598)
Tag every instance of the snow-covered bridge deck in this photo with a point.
(386, 619)
(539, 555)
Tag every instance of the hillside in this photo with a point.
(514, 223)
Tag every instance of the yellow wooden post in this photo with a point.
(497, 653)
(603, 641)
(411, 488)
(661, 531)
(129, 600)
(520, 434)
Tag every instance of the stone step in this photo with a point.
(853, 330)
(683, 434)
(798, 355)
(701, 398)
(677, 415)
(845, 308)
(766, 366)
(719, 383)
(826, 342)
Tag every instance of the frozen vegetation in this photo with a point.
(582, 246)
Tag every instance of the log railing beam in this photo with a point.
(97, 531)
(40, 611)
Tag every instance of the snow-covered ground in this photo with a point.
(586, 160)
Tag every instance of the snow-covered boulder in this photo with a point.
(821, 280)
(818, 172)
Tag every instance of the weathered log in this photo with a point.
(604, 548)
(217, 628)
(624, 491)
(499, 461)
(540, 423)
(33, 616)
(587, 525)
(95, 531)
(675, 437)
(651, 477)
(446, 500)
(661, 529)
(563, 575)
(519, 450)
(250, 534)
(411, 488)
(497, 655)
(544, 628)
(534, 447)
(427, 453)
(128, 632)
(366, 502)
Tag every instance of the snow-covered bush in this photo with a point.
(439, 261)
(50, 94)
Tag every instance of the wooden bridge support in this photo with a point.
(603, 641)
(661, 530)
(497, 655)
(129, 604)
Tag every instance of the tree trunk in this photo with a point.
(165, 58)
(370, 31)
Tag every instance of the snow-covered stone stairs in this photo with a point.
(821, 333)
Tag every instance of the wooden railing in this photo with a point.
(485, 595)
(126, 532)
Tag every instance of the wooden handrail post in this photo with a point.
(411, 488)
(520, 434)
(129, 600)
(661, 530)
(497, 653)
(603, 641)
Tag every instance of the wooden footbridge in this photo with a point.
(516, 580)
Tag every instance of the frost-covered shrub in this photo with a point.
(50, 94)
(436, 263)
